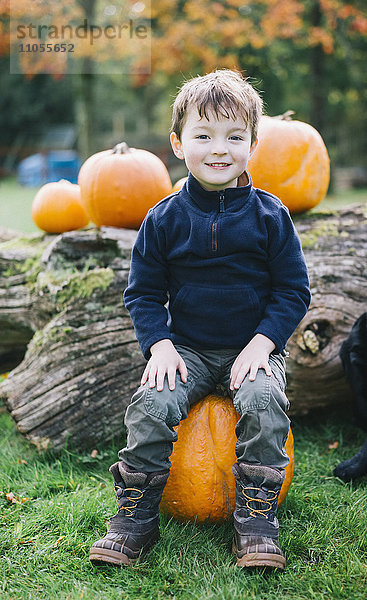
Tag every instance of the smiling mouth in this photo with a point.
(218, 165)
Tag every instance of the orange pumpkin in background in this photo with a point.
(178, 185)
(57, 207)
(201, 484)
(290, 161)
(119, 186)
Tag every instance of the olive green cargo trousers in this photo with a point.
(261, 431)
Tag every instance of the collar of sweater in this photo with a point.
(232, 198)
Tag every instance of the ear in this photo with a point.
(253, 147)
(176, 146)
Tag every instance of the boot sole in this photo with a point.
(111, 557)
(257, 559)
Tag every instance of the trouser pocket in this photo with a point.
(263, 426)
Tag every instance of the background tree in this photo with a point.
(307, 55)
(94, 54)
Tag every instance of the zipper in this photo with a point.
(215, 223)
(221, 202)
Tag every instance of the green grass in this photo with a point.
(45, 540)
(341, 198)
(16, 202)
(15, 205)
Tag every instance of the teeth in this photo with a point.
(218, 164)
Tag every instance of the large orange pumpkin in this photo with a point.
(290, 161)
(119, 186)
(57, 207)
(201, 484)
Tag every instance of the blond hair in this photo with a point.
(224, 92)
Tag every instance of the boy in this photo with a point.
(227, 258)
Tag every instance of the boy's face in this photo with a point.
(216, 151)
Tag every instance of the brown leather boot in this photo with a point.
(256, 525)
(135, 528)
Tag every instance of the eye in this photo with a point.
(202, 136)
(236, 137)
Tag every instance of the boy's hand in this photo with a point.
(165, 360)
(253, 357)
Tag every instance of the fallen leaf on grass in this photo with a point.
(13, 499)
(333, 445)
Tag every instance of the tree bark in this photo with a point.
(335, 247)
(85, 91)
(61, 300)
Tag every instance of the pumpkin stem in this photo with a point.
(121, 148)
(287, 116)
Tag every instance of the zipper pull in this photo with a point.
(221, 202)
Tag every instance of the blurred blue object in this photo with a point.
(63, 164)
(38, 169)
(32, 171)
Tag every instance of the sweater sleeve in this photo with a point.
(290, 293)
(146, 293)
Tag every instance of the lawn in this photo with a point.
(62, 503)
(15, 205)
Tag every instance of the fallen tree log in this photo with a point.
(61, 301)
(335, 246)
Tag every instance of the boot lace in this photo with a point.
(120, 493)
(259, 511)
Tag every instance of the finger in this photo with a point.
(234, 373)
(152, 376)
(160, 380)
(144, 377)
(183, 370)
(267, 368)
(171, 376)
(240, 376)
(253, 371)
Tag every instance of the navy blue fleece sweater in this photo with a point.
(229, 263)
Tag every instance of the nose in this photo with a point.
(219, 147)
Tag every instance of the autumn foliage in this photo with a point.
(230, 27)
(179, 28)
